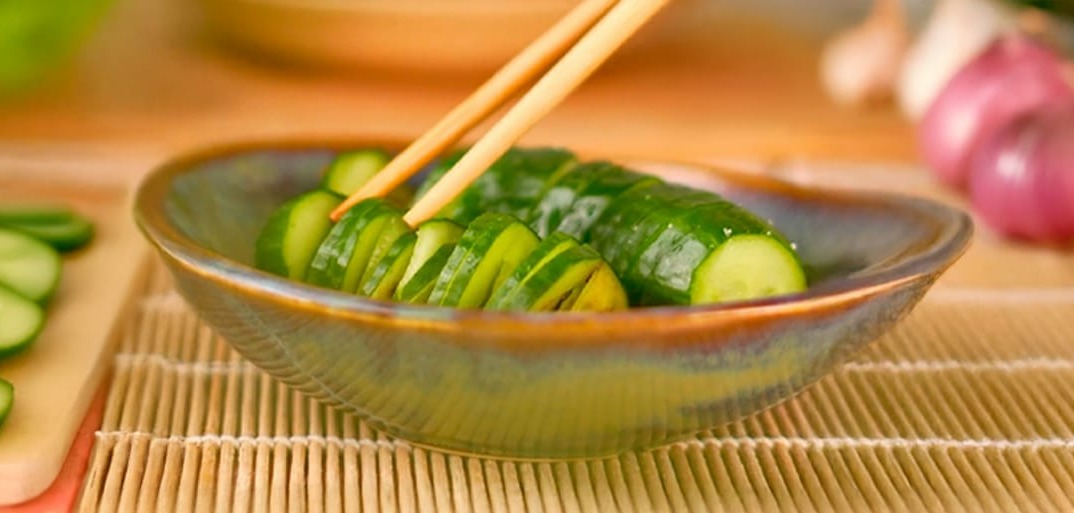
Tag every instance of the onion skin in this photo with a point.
(1012, 77)
(1022, 182)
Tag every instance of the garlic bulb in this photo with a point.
(860, 66)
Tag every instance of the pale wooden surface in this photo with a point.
(57, 377)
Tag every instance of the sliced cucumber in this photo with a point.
(349, 171)
(347, 251)
(389, 271)
(292, 234)
(548, 280)
(419, 287)
(432, 235)
(28, 266)
(21, 321)
(7, 399)
(576, 201)
(487, 253)
(394, 227)
(58, 227)
(511, 185)
(601, 293)
(674, 254)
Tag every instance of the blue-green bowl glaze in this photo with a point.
(543, 385)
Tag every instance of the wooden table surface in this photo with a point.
(150, 84)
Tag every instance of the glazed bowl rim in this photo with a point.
(955, 228)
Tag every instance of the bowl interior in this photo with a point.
(222, 203)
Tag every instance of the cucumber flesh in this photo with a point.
(345, 254)
(394, 227)
(389, 271)
(291, 236)
(503, 297)
(545, 289)
(419, 287)
(7, 399)
(487, 253)
(28, 266)
(747, 267)
(432, 235)
(21, 321)
(353, 169)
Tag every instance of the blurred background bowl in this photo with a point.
(453, 37)
(542, 385)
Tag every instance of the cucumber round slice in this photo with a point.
(292, 234)
(747, 267)
(389, 271)
(602, 292)
(7, 399)
(394, 228)
(28, 266)
(503, 298)
(21, 320)
(419, 287)
(487, 253)
(349, 171)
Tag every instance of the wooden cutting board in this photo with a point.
(56, 379)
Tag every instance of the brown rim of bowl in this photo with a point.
(950, 239)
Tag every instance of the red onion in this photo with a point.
(1012, 76)
(1022, 182)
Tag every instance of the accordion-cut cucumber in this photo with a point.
(551, 275)
(670, 244)
(21, 321)
(389, 270)
(601, 293)
(293, 233)
(419, 287)
(7, 399)
(58, 227)
(345, 255)
(431, 236)
(487, 253)
(511, 185)
(28, 266)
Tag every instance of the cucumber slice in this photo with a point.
(747, 267)
(21, 321)
(351, 170)
(28, 266)
(348, 251)
(487, 253)
(419, 287)
(292, 234)
(389, 271)
(7, 399)
(503, 298)
(58, 227)
(511, 185)
(394, 227)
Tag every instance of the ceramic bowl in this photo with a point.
(543, 385)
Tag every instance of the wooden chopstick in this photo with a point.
(576, 65)
(519, 71)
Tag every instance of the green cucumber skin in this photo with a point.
(544, 289)
(486, 254)
(511, 185)
(346, 253)
(29, 266)
(431, 236)
(59, 227)
(394, 227)
(581, 196)
(7, 399)
(555, 243)
(389, 271)
(21, 322)
(271, 249)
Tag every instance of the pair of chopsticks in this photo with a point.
(570, 52)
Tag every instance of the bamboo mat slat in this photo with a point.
(966, 406)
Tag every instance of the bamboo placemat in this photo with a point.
(968, 405)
